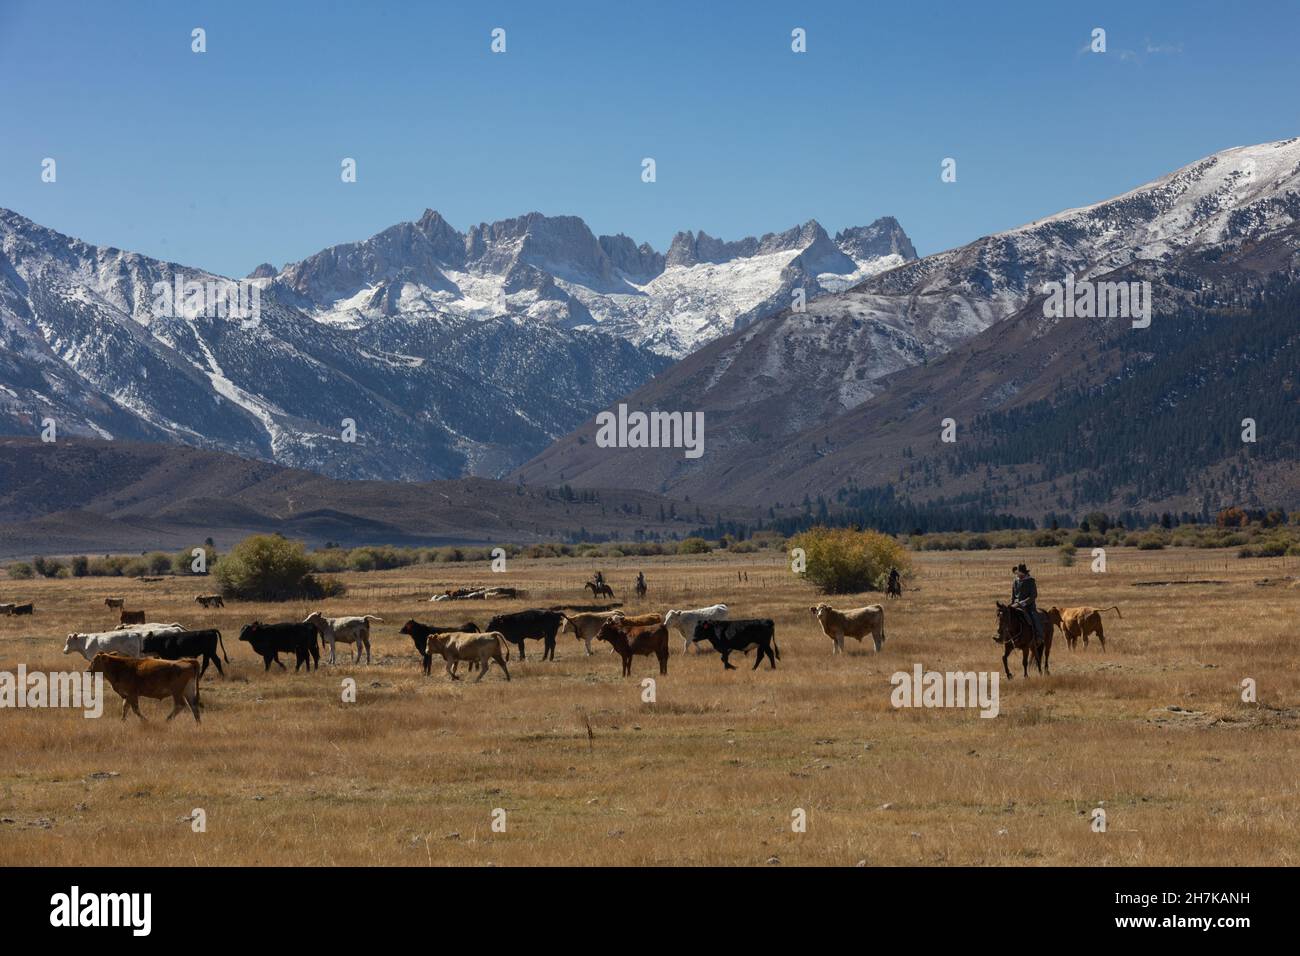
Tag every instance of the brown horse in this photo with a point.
(599, 590)
(1015, 631)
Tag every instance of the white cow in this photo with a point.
(151, 628)
(88, 645)
(349, 630)
(684, 621)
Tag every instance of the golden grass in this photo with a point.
(710, 774)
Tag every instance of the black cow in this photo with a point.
(173, 645)
(269, 640)
(419, 633)
(741, 635)
(21, 609)
(523, 625)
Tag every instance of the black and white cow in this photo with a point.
(173, 645)
(534, 624)
(740, 635)
(269, 640)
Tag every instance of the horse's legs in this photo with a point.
(1006, 654)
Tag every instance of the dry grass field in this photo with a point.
(1153, 729)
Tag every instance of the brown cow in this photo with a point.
(477, 647)
(587, 625)
(133, 617)
(134, 677)
(630, 640)
(210, 600)
(114, 602)
(1075, 622)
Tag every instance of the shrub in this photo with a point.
(80, 566)
(693, 546)
(159, 563)
(978, 543)
(1065, 555)
(21, 571)
(267, 568)
(843, 561)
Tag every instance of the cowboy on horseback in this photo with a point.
(1024, 596)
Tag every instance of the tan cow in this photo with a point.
(134, 678)
(1076, 622)
(480, 648)
(856, 623)
(114, 602)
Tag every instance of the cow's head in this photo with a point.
(819, 610)
(408, 628)
(672, 617)
(75, 644)
(249, 631)
(704, 630)
(609, 628)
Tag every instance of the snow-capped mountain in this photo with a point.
(554, 270)
(88, 341)
(774, 393)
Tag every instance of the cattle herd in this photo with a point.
(140, 658)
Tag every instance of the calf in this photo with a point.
(126, 643)
(419, 633)
(21, 608)
(855, 623)
(7, 609)
(133, 617)
(173, 645)
(728, 636)
(523, 625)
(349, 630)
(476, 647)
(268, 640)
(133, 679)
(210, 600)
(114, 602)
(630, 640)
(684, 621)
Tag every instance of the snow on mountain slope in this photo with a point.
(771, 390)
(554, 270)
(82, 346)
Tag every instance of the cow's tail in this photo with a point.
(776, 648)
(371, 617)
(223, 646)
(503, 645)
(1113, 607)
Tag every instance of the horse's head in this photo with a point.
(1004, 623)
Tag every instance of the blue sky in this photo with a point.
(232, 157)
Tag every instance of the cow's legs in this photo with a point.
(726, 664)
(125, 704)
(663, 661)
(1101, 636)
(482, 667)
(771, 658)
(451, 671)
(758, 658)
(367, 650)
(502, 661)
(135, 706)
